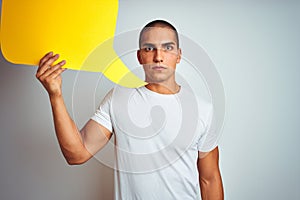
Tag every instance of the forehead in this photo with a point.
(158, 35)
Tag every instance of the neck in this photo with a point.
(163, 89)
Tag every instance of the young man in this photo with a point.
(163, 143)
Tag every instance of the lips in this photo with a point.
(158, 68)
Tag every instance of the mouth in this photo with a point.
(159, 68)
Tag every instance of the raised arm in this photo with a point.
(209, 176)
(77, 147)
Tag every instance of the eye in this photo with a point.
(169, 47)
(147, 49)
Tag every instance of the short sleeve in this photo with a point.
(209, 139)
(102, 114)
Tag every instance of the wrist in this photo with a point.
(55, 97)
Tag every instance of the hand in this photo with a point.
(50, 76)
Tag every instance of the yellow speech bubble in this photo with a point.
(74, 29)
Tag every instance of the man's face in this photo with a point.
(159, 54)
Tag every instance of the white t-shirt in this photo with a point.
(157, 139)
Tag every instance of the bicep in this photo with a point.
(208, 163)
(94, 136)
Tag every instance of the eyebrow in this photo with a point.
(163, 44)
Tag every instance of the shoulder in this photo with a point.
(120, 94)
(204, 107)
(117, 90)
(202, 103)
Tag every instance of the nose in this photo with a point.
(158, 56)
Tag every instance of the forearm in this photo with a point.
(212, 188)
(68, 136)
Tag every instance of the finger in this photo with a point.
(46, 57)
(57, 73)
(40, 69)
(46, 65)
(50, 70)
(51, 60)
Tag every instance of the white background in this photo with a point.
(255, 47)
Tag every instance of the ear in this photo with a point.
(139, 57)
(178, 56)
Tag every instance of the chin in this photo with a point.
(158, 78)
(156, 81)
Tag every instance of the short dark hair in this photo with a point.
(162, 24)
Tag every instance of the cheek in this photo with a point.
(146, 67)
(144, 59)
(174, 59)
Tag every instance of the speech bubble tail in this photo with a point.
(118, 73)
(104, 59)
